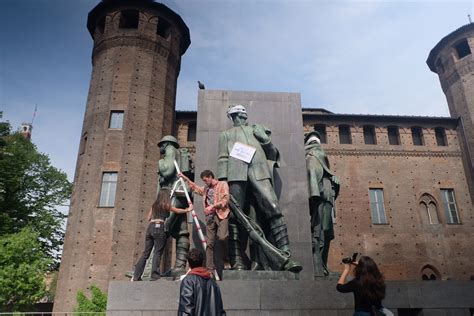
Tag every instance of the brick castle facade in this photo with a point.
(407, 182)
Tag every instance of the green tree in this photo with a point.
(31, 191)
(97, 303)
(23, 268)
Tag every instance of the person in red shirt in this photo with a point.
(216, 208)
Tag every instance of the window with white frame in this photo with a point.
(116, 120)
(377, 206)
(108, 189)
(450, 208)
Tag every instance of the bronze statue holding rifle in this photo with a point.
(246, 158)
(176, 224)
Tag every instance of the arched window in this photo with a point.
(129, 19)
(462, 48)
(428, 209)
(430, 273)
(101, 25)
(163, 28)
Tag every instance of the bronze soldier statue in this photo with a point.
(175, 225)
(323, 191)
(250, 184)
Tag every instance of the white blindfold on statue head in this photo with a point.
(313, 138)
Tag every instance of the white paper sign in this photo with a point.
(242, 152)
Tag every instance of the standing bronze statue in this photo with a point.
(175, 224)
(250, 185)
(323, 191)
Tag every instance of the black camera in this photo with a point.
(351, 259)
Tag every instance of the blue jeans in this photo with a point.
(361, 314)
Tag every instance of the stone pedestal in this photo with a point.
(298, 297)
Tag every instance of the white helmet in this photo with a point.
(236, 108)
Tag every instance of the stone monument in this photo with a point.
(281, 114)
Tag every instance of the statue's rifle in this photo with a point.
(275, 255)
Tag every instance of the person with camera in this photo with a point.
(368, 286)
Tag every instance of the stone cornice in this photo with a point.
(397, 153)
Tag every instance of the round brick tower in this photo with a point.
(136, 60)
(453, 60)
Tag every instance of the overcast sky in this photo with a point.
(345, 56)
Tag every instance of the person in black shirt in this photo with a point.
(155, 237)
(368, 286)
(199, 294)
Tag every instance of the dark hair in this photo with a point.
(195, 258)
(162, 204)
(207, 173)
(371, 280)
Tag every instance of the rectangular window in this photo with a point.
(345, 134)
(441, 136)
(369, 135)
(321, 129)
(377, 206)
(393, 135)
(82, 149)
(191, 132)
(450, 208)
(116, 119)
(108, 189)
(417, 136)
